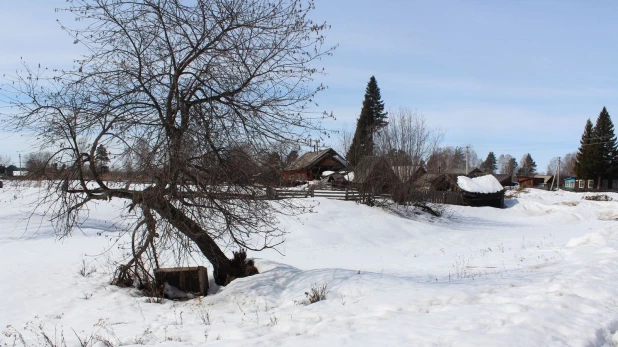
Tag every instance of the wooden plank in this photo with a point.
(189, 279)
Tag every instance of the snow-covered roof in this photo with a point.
(483, 184)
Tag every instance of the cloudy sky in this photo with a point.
(510, 77)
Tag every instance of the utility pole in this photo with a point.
(20, 163)
(467, 155)
(558, 173)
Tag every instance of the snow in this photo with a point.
(327, 173)
(541, 272)
(482, 184)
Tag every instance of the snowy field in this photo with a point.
(542, 272)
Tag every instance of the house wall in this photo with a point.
(606, 184)
(298, 175)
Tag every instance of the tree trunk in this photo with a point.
(223, 266)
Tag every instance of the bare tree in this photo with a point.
(567, 165)
(407, 140)
(38, 164)
(406, 143)
(176, 86)
(345, 136)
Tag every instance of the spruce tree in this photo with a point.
(489, 165)
(604, 141)
(584, 160)
(527, 166)
(371, 119)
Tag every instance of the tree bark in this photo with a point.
(223, 267)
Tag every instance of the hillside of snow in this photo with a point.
(542, 272)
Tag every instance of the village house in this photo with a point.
(590, 184)
(311, 165)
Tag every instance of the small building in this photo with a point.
(543, 181)
(525, 181)
(311, 165)
(481, 191)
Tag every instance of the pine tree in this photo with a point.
(101, 157)
(489, 165)
(604, 141)
(584, 160)
(527, 166)
(371, 119)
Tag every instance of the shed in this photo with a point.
(311, 165)
(481, 191)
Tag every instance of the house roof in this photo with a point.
(482, 184)
(503, 178)
(311, 158)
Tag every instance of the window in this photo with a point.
(615, 184)
(581, 183)
(605, 184)
(590, 184)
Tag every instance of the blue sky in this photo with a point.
(510, 77)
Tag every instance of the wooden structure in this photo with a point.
(310, 165)
(447, 182)
(504, 179)
(192, 280)
(605, 183)
(525, 181)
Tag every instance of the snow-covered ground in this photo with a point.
(542, 272)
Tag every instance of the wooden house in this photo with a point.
(311, 165)
(525, 181)
(591, 184)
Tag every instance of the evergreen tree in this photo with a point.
(489, 165)
(584, 160)
(527, 166)
(371, 119)
(101, 157)
(604, 141)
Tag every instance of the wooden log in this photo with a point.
(189, 279)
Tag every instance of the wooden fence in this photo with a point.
(348, 194)
(435, 197)
(438, 197)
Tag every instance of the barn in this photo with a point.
(311, 165)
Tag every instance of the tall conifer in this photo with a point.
(371, 119)
(584, 159)
(605, 143)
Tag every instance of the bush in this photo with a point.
(316, 294)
